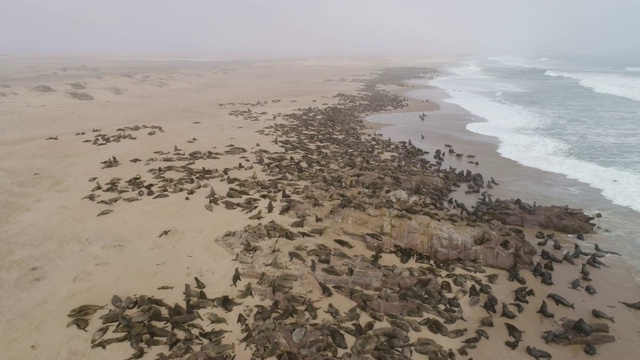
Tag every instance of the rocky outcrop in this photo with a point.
(598, 333)
(558, 218)
(493, 244)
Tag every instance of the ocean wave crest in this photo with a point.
(612, 84)
(515, 127)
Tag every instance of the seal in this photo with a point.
(559, 300)
(506, 312)
(537, 353)
(575, 284)
(601, 315)
(512, 344)
(635, 305)
(79, 323)
(582, 327)
(236, 277)
(544, 311)
(589, 349)
(98, 334)
(514, 332)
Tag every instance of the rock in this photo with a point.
(439, 239)
(557, 218)
(599, 334)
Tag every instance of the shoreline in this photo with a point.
(548, 187)
(447, 124)
(151, 243)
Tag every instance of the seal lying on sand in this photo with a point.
(538, 354)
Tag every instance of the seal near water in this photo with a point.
(598, 249)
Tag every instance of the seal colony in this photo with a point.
(337, 213)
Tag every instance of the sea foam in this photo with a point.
(612, 84)
(515, 126)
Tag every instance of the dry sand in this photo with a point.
(55, 253)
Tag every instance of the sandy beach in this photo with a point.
(227, 126)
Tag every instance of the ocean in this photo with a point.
(576, 117)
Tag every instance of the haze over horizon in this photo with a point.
(306, 27)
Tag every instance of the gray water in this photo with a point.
(576, 118)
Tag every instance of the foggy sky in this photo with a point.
(295, 27)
